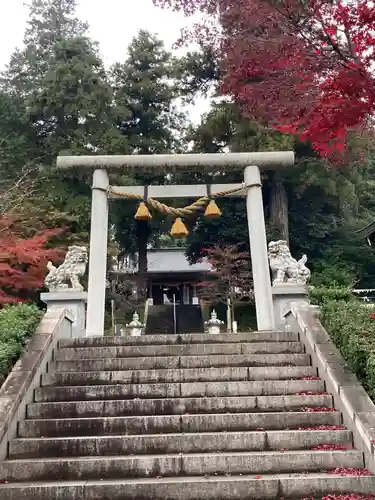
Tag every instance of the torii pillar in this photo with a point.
(250, 162)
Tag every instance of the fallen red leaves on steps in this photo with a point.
(320, 409)
(323, 428)
(331, 447)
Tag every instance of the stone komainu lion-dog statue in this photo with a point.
(285, 269)
(73, 267)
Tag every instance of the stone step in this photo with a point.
(173, 362)
(194, 488)
(157, 424)
(117, 408)
(175, 443)
(178, 375)
(70, 353)
(193, 464)
(177, 390)
(181, 339)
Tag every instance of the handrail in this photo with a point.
(201, 306)
(174, 315)
(145, 315)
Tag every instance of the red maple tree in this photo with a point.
(230, 278)
(304, 67)
(23, 261)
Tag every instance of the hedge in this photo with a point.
(17, 324)
(351, 325)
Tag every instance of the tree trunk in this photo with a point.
(279, 208)
(143, 234)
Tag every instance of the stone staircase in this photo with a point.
(160, 320)
(187, 417)
(189, 319)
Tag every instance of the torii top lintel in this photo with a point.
(178, 162)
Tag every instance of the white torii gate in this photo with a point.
(216, 162)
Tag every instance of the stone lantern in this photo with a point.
(213, 324)
(135, 326)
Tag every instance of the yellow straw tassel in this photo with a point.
(212, 210)
(143, 212)
(179, 229)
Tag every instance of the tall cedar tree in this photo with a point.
(17, 138)
(50, 22)
(304, 67)
(23, 261)
(71, 110)
(68, 103)
(145, 91)
(230, 277)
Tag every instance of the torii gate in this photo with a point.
(214, 162)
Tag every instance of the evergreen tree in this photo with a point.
(220, 130)
(17, 140)
(72, 114)
(71, 111)
(50, 22)
(67, 99)
(324, 203)
(145, 92)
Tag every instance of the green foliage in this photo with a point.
(197, 73)
(351, 326)
(145, 91)
(56, 99)
(17, 324)
(322, 294)
(71, 108)
(229, 229)
(326, 204)
(70, 113)
(17, 143)
(333, 273)
(245, 315)
(50, 22)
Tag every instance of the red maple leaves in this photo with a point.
(314, 409)
(323, 428)
(230, 276)
(305, 68)
(350, 471)
(331, 447)
(23, 261)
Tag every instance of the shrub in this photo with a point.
(351, 326)
(322, 294)
(17, 324)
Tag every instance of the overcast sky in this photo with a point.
(113, 23)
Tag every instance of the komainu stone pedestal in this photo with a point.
(74, 301)
(283, 295)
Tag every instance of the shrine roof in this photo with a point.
(173, 260)
(367, 231)
(164, 261)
